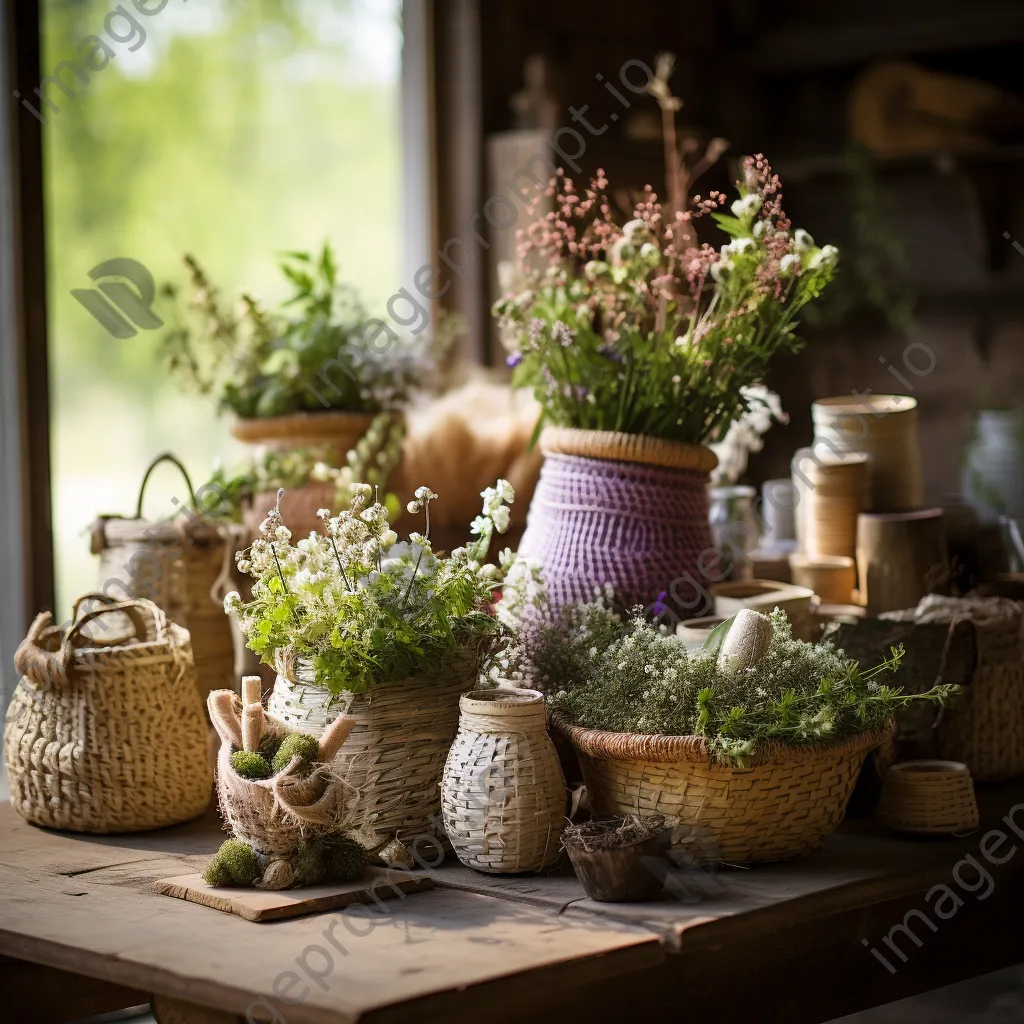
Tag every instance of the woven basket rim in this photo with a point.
(621, 447)
(626, 746)
(268, 428)
(128, 530)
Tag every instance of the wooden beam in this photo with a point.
(26, 549)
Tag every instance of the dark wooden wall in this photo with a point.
(777, 79)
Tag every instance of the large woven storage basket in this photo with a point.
(984, 729)
(185, 566)
(394, 758)
(784, 805)
(107, 737)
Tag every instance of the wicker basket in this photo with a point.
(928, 797)
(107, 737)
(985, 727)
(279, 815)
(335, 431)
(395, 755)
(784, 805)
(184, 566)
(503, 792)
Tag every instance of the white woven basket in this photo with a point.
(503, 792)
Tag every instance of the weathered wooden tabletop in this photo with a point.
(800, 941)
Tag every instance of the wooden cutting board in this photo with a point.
(258, 905)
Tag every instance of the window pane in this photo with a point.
(233, 130)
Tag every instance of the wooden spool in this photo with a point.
(901, 557)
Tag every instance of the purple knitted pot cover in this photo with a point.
(640, 528)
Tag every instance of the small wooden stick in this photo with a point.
(334, 737)
(253, 722)
(252, 690)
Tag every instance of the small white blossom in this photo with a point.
(748, 207)
(802, 240)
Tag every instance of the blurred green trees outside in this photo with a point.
(238, 129)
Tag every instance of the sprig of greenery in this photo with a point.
(604, 672)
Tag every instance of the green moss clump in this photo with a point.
(269, 748)
(308, 863)
(235, 863)
(344, 860)
(307, 747)
(250, 765)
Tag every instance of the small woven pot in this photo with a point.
(395, 756)
(503, 792)
(184, 566)
(928, 797)
(626, 510)
(335, 431)
(107, 737)
(784, 805)
(278, 816)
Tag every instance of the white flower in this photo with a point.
(413, 507)
(736, 246)
(492, 499)
(634, 230)
(826, 256)
(649, 251)
(425, 494)
(594, 269)
(720, 270)
(506, 490)
(283, 534)
(478, 525)
(488, 572)
(802, 240)
(790, 263)
(747, 207)
(323, 513)
(759, 228)
(232, 602)
(500, 518)
(389, 539)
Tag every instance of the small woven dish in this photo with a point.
(928, 798)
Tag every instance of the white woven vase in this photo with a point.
(503, 792)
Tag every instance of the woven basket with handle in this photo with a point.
(185, 566)
(784, 805)
(107, 735)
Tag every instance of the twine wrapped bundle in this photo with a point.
(621, 509)
(784, 805)
(395, 755)
(985, 728)
(107, 736)
(503, 792)
(929, 798)
(279, 816)
(184, 567)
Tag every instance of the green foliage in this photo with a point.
(250, 765)
(263, 363)
(363, 606)
(630, 676)
(636, 328)
(344, 860)
(297, 744)
(235, 863)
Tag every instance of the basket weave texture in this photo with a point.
(107, 738)
(334, 430)
(985, 727)
(928, 797)
(185, 567)
(503, 792)
(394, 758)
(640, 526)
(784, 805)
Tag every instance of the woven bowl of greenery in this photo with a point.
(753, 741)
(784, 804)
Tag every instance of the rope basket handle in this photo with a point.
(33, 660)
(164, 457)
(92, 595)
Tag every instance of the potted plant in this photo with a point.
(620, 859)
(641, 345)
(385, 631)
(756, 739)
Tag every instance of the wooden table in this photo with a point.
(782, 942)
